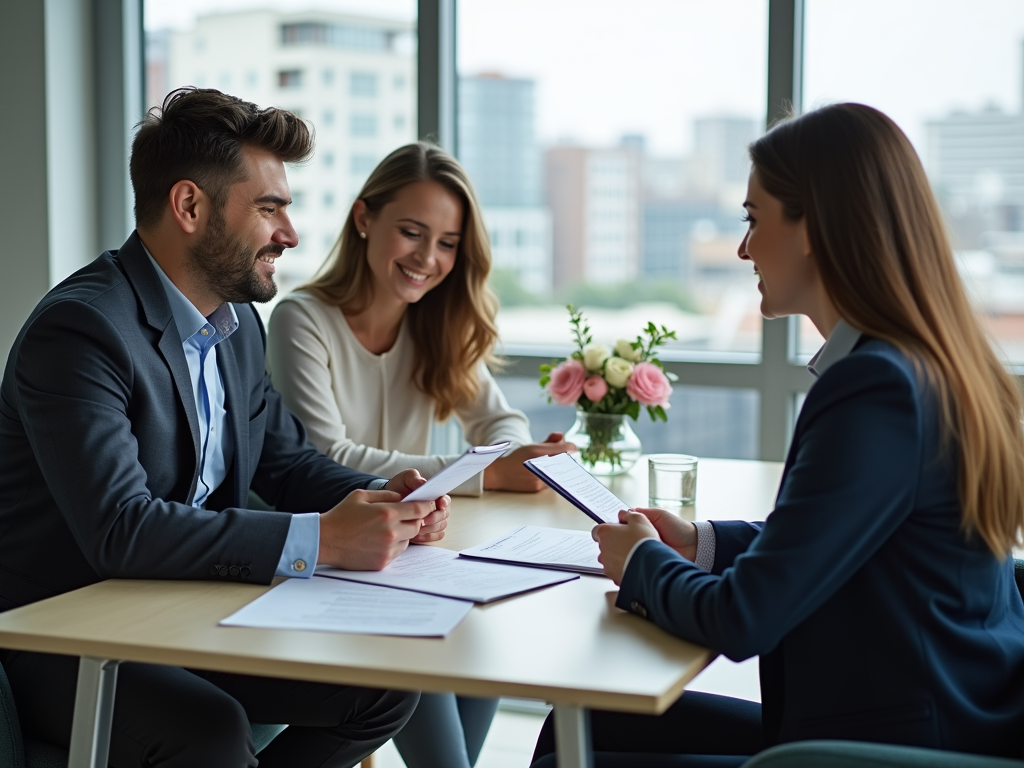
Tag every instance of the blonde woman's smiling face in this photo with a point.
(412, 242)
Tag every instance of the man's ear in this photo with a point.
(189, 205)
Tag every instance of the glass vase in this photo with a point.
(606, 442)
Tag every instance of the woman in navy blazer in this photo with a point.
(879, 593)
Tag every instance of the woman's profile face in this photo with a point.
(781, 255)
(411, 243)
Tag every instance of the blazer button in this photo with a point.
(638, 608)
(299, 565)
(214, 570)
(222, 570)
(244, 570)
(233, 570)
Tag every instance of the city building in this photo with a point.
(595, 201)
(976, 163)
(351, 77)
(498, 147)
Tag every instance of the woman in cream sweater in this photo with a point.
(394, 334)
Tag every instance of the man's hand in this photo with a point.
(509, 474)
(617, 541)
(407, 481)
(369, 529)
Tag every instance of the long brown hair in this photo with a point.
(877, 235)
(453, 324)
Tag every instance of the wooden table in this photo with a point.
(566, 644)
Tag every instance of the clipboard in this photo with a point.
(471, 463)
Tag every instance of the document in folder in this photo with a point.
(438, 571)
(580, 488)
(544, 547)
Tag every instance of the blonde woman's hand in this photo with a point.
(508, 472)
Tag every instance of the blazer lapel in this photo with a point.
(157, 311)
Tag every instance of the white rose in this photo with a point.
(617, 371)
(594, 356)
(624, 349)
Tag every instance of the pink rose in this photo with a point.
(566, 383)
(649, 385)
(595, 388)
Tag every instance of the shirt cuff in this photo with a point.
(301, 546)
(378, 484)
(629, 557)
(705, 545)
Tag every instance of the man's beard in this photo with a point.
(227, 267)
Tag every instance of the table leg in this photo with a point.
(94, 710)
(572, 737)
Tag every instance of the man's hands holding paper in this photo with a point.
(509, 474)
(369, 529)
(617, 541)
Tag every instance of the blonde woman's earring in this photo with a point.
(362, 235)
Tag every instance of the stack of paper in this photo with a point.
(437, 571)
(342, 606)
(542, 547)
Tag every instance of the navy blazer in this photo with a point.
(875, 617)
(99, 445)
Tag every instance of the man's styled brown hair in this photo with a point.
(198, 134)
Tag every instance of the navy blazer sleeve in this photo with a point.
(850, 485)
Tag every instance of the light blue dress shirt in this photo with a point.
(199, 339)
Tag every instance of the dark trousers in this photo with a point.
(170, 717)
(700, 730)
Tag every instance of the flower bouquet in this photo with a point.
(607, 386)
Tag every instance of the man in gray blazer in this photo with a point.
(135, 415)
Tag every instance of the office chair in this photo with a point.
(16, 752)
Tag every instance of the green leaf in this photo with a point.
(545, 380)
(546, 368)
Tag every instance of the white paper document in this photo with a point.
(471, 463)
(439, 571)
(328, 605)
(545, 547)
(580, 488)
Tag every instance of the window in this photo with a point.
(953, 86)
(626, 182)
(307, 56)
(289, 78)
(362, 164)
(364, 125)
(363, 84)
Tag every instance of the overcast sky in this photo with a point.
(607, 67)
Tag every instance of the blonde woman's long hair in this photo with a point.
(453, 325)
(878, 237)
